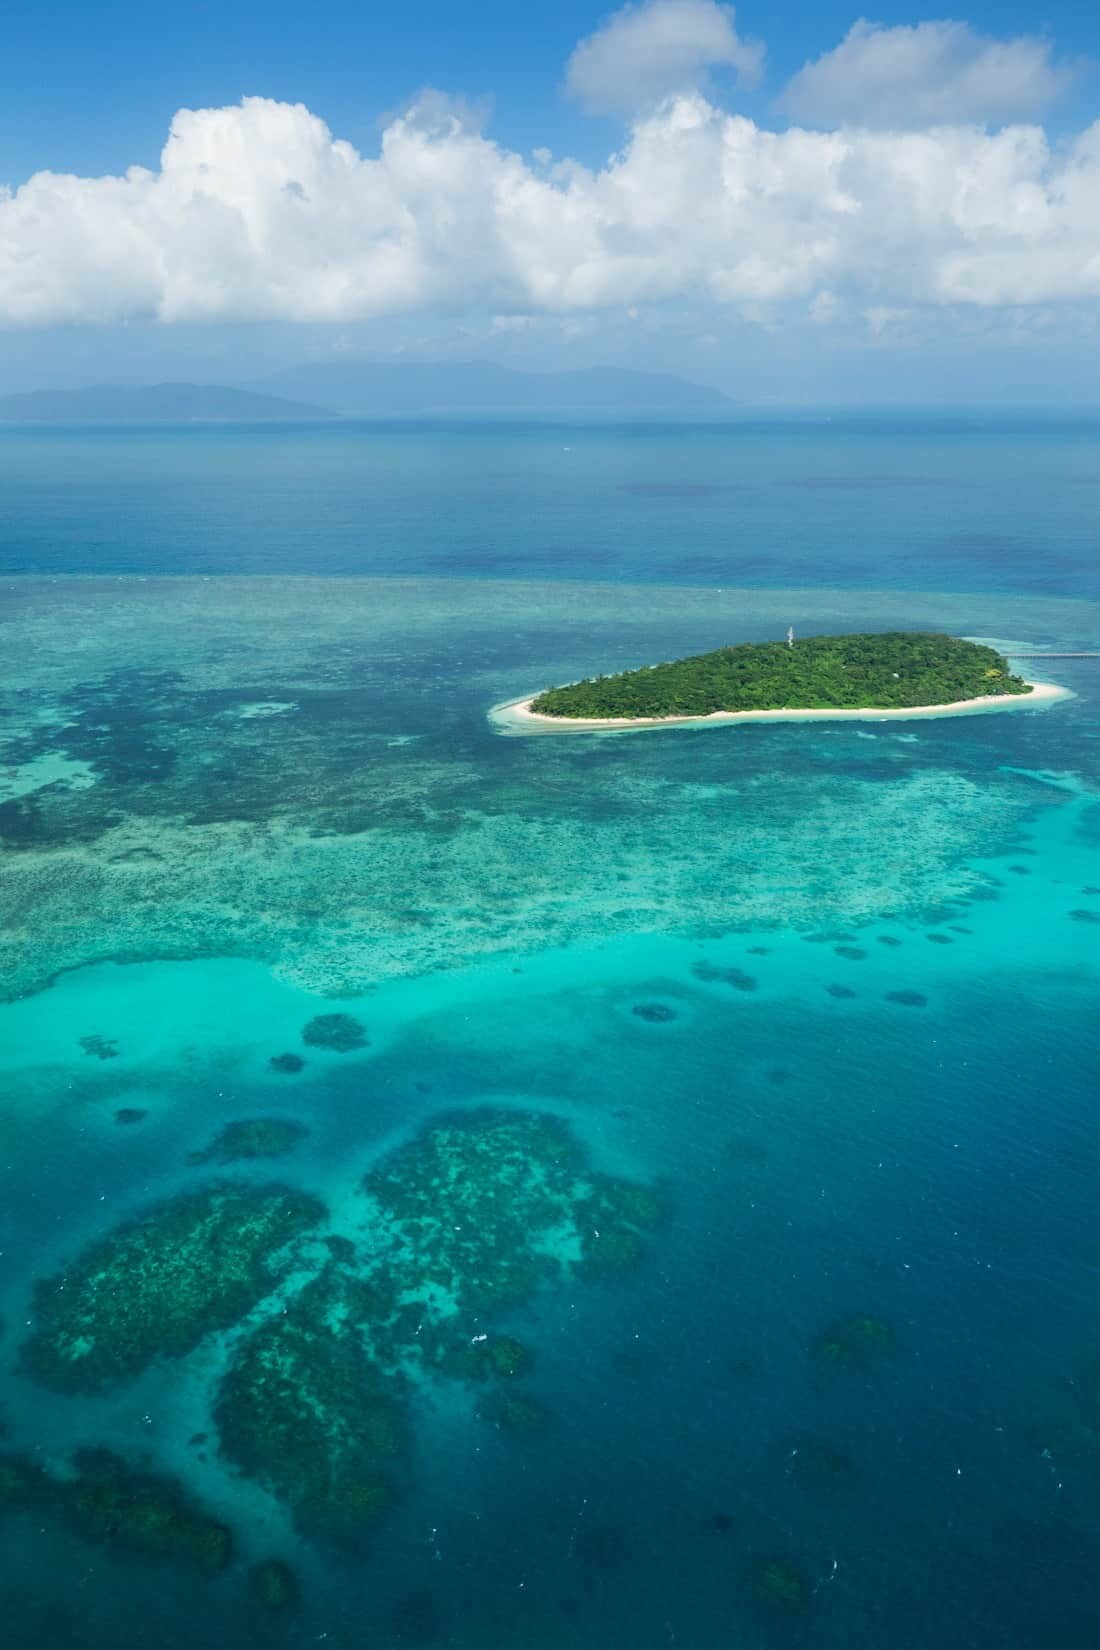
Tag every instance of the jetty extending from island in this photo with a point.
(894, 675)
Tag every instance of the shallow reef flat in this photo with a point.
(368, 824)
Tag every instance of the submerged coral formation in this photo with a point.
(855, 1340)
(288, 1064)
(273, 1584)
(464, 1221)
(154, 1286)
(107, 1502)
(340, 1032)
(307, 1412)
(493, 1202)
(252, 1137)
(816, 1465)
(515, 1412)
(779, 1583)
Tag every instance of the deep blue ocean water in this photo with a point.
(847, 1392)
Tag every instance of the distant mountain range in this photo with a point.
(376, 389)
(151, 403)
(416, 389)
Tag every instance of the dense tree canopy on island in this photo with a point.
(889, 671)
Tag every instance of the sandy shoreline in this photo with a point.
(517, 717)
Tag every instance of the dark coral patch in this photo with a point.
(252, 1137)
(514, 1412)
(940, 939)
(273, 1584)
(127, 1115)
(887, 939)
(106, 1502)
(288, 1064)
(854, 953)
(841, 991)
(1081, 915)
(908, 999)
(340, 1032)
(857, 1340)
(306, 1411)
(735, 978)
(655, 1013)
(101, 1048)
(779, 1584)
(815, 1465)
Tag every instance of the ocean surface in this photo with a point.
(667, 1215)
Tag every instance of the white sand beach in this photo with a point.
(517, 717)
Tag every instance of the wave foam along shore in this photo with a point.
(517, 717)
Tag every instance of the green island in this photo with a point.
(893, 670)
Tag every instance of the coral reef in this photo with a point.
(154, 1286)
(252, 1137)
(655, 1013)
(340, 1032)
(816, 1465)
(736, 978)
(102, 1048)
(303, 1409)
(778, 1583)
(105, 1501)
(288, 1064)
(908, 999)
(130, 1114)
(465, 1220)
(515, 1412)
(492, 1203)
(273, 1584)
(856, 1340)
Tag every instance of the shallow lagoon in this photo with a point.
(841, 1393)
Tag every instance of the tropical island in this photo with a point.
(899, 673)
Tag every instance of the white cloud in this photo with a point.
(647, 52)
(258, 213)
(934, 74)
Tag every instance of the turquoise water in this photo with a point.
(838, 1386)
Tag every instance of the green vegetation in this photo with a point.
(108, 1503)
(154, 1286)
(873, 672)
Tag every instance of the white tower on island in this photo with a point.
(790, 635)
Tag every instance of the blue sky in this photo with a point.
(941, 208)
(90, 87)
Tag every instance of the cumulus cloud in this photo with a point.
(934, 74)
(651, 51)
(258, 212)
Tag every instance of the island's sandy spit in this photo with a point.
(517, 717)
